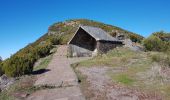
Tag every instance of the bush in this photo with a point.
(153, 43)
(22, 62)
(1, 70)
(135, 38)
(158, 41)
(55, 40)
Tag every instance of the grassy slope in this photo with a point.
(69, 27)
(62, 32)
(67, 31)
(137, 73)
(25, 84)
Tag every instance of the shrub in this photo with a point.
(153, 43)
(135, 38)
(22, 62)
(158, 41)
(55, 39)
(1, 70)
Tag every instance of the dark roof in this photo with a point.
(97, 33)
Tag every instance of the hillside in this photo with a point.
(59, 33)
(123, 74)
(67, 29)
(119, 74)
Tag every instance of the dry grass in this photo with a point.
(23, 85)
(138, 70)
(116, 57)
(43, 63)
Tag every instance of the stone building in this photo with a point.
(89, 41)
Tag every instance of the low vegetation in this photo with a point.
(163, 59)
(21, 86)
(145, 71)
(113, 58)
(1, 71)
(69, 27)
(123, 78)
(22, 62)
(24, 85)
(43, 63)
(135, 70)
(158, 41)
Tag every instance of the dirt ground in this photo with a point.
(99, 86)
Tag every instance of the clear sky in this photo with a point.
(24, 21)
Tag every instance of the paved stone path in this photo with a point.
(61, 75)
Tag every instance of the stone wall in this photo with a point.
(105, 46)
(76, 51)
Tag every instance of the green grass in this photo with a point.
(43, 63)
(124, 79)
(133, 69)
(116, 57)
(84, 84)
(5, 96)
(28, 80)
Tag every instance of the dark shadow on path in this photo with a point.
(40, 71)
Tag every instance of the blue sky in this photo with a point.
(24, 21)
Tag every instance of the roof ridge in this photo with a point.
(97, 33)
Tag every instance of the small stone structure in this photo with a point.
(89, 41)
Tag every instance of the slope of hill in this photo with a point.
(59, 33)
(123, 74)
(67, 29)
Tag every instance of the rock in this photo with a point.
(5, 82)
(128, 43)
(20, 95)
(0, 58)
(136, 48)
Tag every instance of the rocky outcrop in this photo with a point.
(0, 58)
(133, 46)
(5, 82)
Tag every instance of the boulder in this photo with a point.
(5, 82)
(133, 46)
